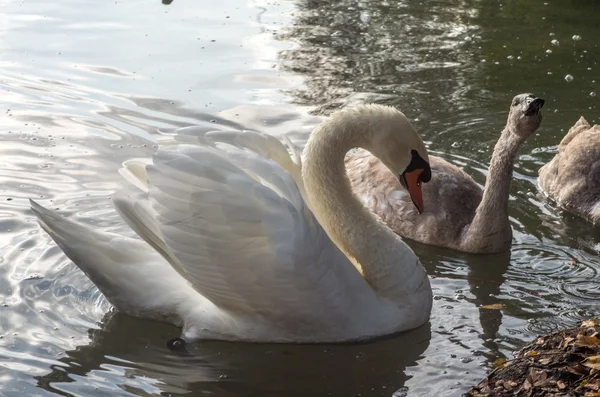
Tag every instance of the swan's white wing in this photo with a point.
(237, 227)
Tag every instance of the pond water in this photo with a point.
(85, 85)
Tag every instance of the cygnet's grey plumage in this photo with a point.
(572, 177)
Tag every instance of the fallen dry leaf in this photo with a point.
(495, 306)
(499, 362)
(531, 354)
(579, 370)
(545, 361)
(593, 384)
(566, 342)
(583, 340)
(538, 378)
(588, 324)
(561, 385)
(592, 362)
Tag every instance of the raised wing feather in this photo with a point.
(238, 229)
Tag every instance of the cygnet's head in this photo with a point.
(396, 143)
(525, 115)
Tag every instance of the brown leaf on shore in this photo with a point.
(592, 362)
(499, 362)
(593, 385)
(537, 378)
(587, 341)
(577, 370)
(588, 324)
(566, 342)
(545, 361)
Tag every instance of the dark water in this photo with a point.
(85, 85)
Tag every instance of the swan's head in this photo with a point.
(525, 115)
(396, 143)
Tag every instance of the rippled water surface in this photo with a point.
(85, 85)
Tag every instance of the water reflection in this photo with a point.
(136, 351)
(396, 52)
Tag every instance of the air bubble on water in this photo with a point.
(551, 34)
(555, 42)
(576, 37)
(548, 51)
(549, 73)
(510, 57)
(568, 78)
(592, 94)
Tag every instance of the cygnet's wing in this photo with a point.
(234, 223)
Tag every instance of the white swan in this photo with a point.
(231, 250)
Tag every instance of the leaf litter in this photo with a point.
(562, 364)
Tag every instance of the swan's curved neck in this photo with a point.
(491, 216)
(385, 261)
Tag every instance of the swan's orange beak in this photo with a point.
(412, 181)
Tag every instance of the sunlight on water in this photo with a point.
(85, 86)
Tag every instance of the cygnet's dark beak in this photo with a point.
(533, 105)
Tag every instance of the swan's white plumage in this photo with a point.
(134, 172)
(233, 250)
(243, 234)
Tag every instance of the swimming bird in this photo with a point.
(572, 177)
(239, 241)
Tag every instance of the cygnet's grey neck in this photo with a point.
(491, 216)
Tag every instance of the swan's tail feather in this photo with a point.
(63, 230)
(127, 271)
